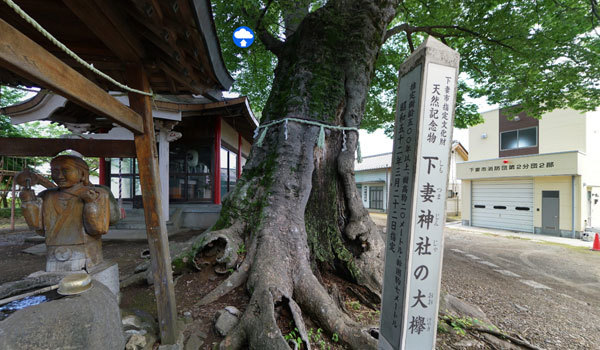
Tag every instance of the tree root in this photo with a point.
(233, 241)
(258, 326)
(299, 321)
(313, 298)
(369, 301)
(360, 225)
(444, 317)
(237, 278)
(501, 335)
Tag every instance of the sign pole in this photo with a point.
(417, 201)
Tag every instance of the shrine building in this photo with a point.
(202, 147)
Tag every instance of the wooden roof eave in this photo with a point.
(115, 37)
(26, 58)
(460, 149)
(206, 25)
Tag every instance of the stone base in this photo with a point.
(90, 320)
(106, 273)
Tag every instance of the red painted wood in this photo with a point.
(239, 156)
(217, 172)
(102, 171)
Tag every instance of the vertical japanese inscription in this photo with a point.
(431, 185)
(416, 211)
(399, 208)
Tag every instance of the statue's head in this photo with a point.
(68, 171)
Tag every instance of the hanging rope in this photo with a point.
(320, 138)
(72, 54)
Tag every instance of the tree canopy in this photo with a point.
(534, 55)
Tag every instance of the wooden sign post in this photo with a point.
(417, 201)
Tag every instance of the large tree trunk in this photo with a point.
(296, 208)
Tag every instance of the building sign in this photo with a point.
(422, 141)
(549, 164)
(520, 166)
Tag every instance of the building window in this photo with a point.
(126, 185)
(190, 178)
(521, 138)
(359, 189)
(228, 170)
(376, 197)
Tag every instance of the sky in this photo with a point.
(377, 142)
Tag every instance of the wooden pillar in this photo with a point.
(102, 171)
(156, 227)
(217, 172)
(238, 166)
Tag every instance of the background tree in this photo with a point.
(296, 211)
(10, 96)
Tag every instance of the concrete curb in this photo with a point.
(533, 237)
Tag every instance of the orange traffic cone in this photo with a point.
(596, 246)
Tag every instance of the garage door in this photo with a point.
(503, 204)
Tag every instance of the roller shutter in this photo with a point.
(503, 204)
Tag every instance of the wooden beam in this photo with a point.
(179, 77)
(21, 55)
(26, 147)
(145, 145)
(109, 26)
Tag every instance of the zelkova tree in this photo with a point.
(295, 213)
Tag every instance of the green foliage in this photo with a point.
(335, 337)
(539, 55)
(316, 338)
(294, 336)
(9, 96)
(241, 249)
(5, 212)
(38, 129)
(354, 305)
(462, 324)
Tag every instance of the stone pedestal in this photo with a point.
(90, 320)
(106, 273)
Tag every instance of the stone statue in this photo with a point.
(72, 216)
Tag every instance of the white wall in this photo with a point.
(485, 148)
(562, 130)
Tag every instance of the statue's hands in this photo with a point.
(89, 195)
(27, 195)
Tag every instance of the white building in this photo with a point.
(531, 175)
(373, 174)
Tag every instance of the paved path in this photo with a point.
(545, 288)
(541, 262)
(457, 226)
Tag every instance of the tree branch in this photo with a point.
(408, 29)
(404, 27)
(271, 42)
(410, 42)
(595, 13)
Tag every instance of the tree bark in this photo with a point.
(296, 209)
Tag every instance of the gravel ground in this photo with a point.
(567, 316)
